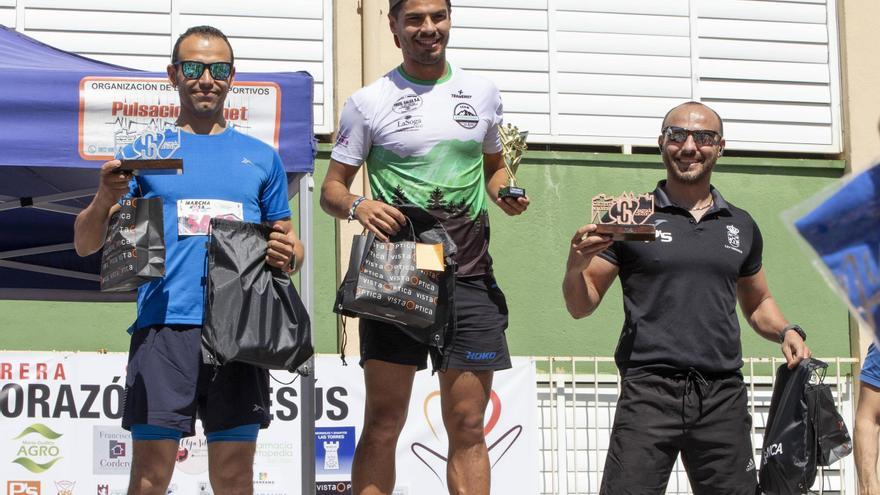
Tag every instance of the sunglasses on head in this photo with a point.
(702, 137)
(193, 69)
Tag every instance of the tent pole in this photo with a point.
(16, 253)
(15, 265)
(47, 200)
(70, 210)
(305, 184)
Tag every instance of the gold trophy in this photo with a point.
(624, 217)
(513, 144)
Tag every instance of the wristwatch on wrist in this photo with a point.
(796, 328)
(354, 206)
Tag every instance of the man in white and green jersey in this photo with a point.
(429, 133)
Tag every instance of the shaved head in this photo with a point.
(689, 105)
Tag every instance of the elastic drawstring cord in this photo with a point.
(693, 381)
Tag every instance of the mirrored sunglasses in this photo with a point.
(193, 69)
(702, 137)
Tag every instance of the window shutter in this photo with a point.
(601, 72)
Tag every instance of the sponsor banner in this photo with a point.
(112, 109)
(511, 428)
(60, 431)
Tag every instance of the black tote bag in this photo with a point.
(134, 249)
(253, 313)
(386, 285)
(420, 303)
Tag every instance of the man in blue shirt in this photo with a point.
(868, 423)
(226, 174)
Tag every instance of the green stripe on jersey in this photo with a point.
(449, 177)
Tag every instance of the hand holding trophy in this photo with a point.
(513, 144)
(624, 217)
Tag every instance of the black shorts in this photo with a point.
(479, 342)
(167, 384)
(661, 415)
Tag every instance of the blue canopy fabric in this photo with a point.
(44, 180)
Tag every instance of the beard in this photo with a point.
(692, 175)
(416, 53)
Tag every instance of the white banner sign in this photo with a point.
(122, 106)
(60, 415)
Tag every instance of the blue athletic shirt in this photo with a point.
(871, 367)
(243, 175)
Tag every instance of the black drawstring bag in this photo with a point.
(804, 430)
(253, 313)
(832, 438)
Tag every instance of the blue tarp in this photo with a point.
(39, 153)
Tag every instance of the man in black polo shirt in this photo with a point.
(680, 352)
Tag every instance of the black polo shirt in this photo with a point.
(679, 292)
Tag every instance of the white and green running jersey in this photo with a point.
(423, 142)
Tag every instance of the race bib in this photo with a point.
(194, 215)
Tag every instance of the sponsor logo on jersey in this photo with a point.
(466, 116)
(407, 103)
(733, 239)
(660, 235)
(460, 95)
(409, 123)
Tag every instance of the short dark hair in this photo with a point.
(688, 103)
(396, 9)
(205, 32)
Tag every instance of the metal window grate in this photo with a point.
(576, 402)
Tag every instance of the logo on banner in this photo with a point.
(65, 487)
(116, 450)
(498, 446)
(23, 487)
(333, 487)
(192, 455)
(263, 482)
(38, 450)
(334, 450)
(129, 105)
(110, 450)
(280, 452)
(105, 489)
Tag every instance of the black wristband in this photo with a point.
(797, 328)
